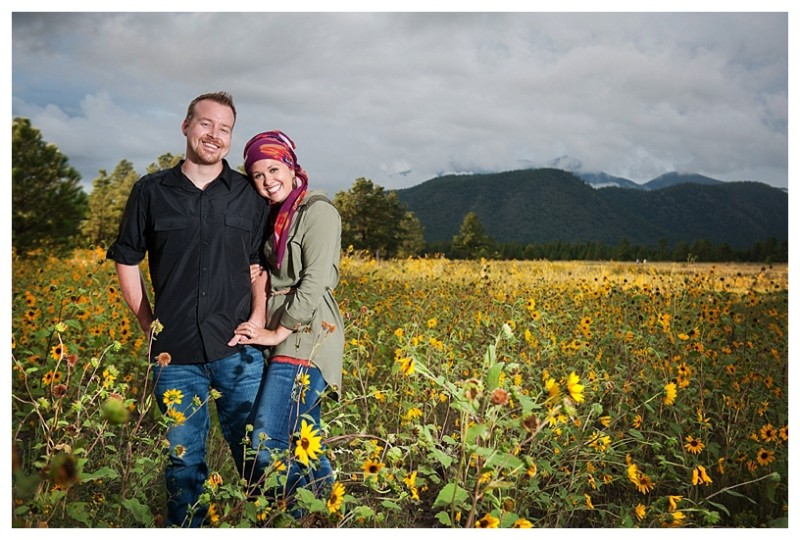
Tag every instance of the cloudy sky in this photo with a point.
(402, 97)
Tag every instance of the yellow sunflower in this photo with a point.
(694, 446)
(574, 388)
(487, 522)
(765, 457)
(670, 393)
(309, 444)
(371, 467)
(336, 498)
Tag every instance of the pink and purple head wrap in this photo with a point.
(278, 146)
(272, 145)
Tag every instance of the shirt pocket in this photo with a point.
(238, 231)
(169, 230)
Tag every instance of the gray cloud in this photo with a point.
(402, 97)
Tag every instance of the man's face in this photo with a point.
(208, 133)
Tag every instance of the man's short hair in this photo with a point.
(223, 98)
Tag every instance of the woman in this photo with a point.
(304, 330)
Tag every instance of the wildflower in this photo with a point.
(694, 446)
(176, 416)
(47, 378)
(59, 391)
(163, 359)
(642, 482)
(213, 514)
(589, 504)
(328, 327)
(214, 480)
(487, 522)
(641, 511)
(336, 497)
(172, 397)
(413, 412)
(499, 396)
(699, 476)
(398, 333)
(406, 365)
(645, 484)
(58, 351)
(531, 423)
(605, 421)
(302, 382)
(637, 421)
(600, 441)
(765, 457)
(372, 467)
(673, 502)
(309, 443)
(633, 473)
(432, 322)
(72, 360)
(574, 388)
(522, 523)
(411, 483)
(156, 327)
(783, 433)
(674, 519)
(768, 433)
(109, 376)
(553, 389)
(531, 471)
(670, 393)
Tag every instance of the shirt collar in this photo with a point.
(176, 177)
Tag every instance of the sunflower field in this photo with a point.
(475, 394)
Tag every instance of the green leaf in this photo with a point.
(390, 504)
(104, 473)
(491, 356)
(309, 501)
(79, 511)
(493, 377)
(444, 518)
(636, 434)
(720, 506)
(451, 493)
(505, 461)
(441, 457)
(363, 511)
(473, 433)
(140, 512)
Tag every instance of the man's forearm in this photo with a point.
(134, 291)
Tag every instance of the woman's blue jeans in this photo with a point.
(283, 402)
(237, 378)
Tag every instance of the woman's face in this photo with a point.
(273, 179)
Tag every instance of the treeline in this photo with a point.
(51, 211)
(769, 251)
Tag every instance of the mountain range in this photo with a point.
(538, 206)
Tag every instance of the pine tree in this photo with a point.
(47, 201)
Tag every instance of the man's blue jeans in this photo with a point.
(237, 378)
(283, 402)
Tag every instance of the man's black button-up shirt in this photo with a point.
(200, 244)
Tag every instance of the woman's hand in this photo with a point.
(255, 271)
(249, 333)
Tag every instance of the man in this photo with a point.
(202, 225)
